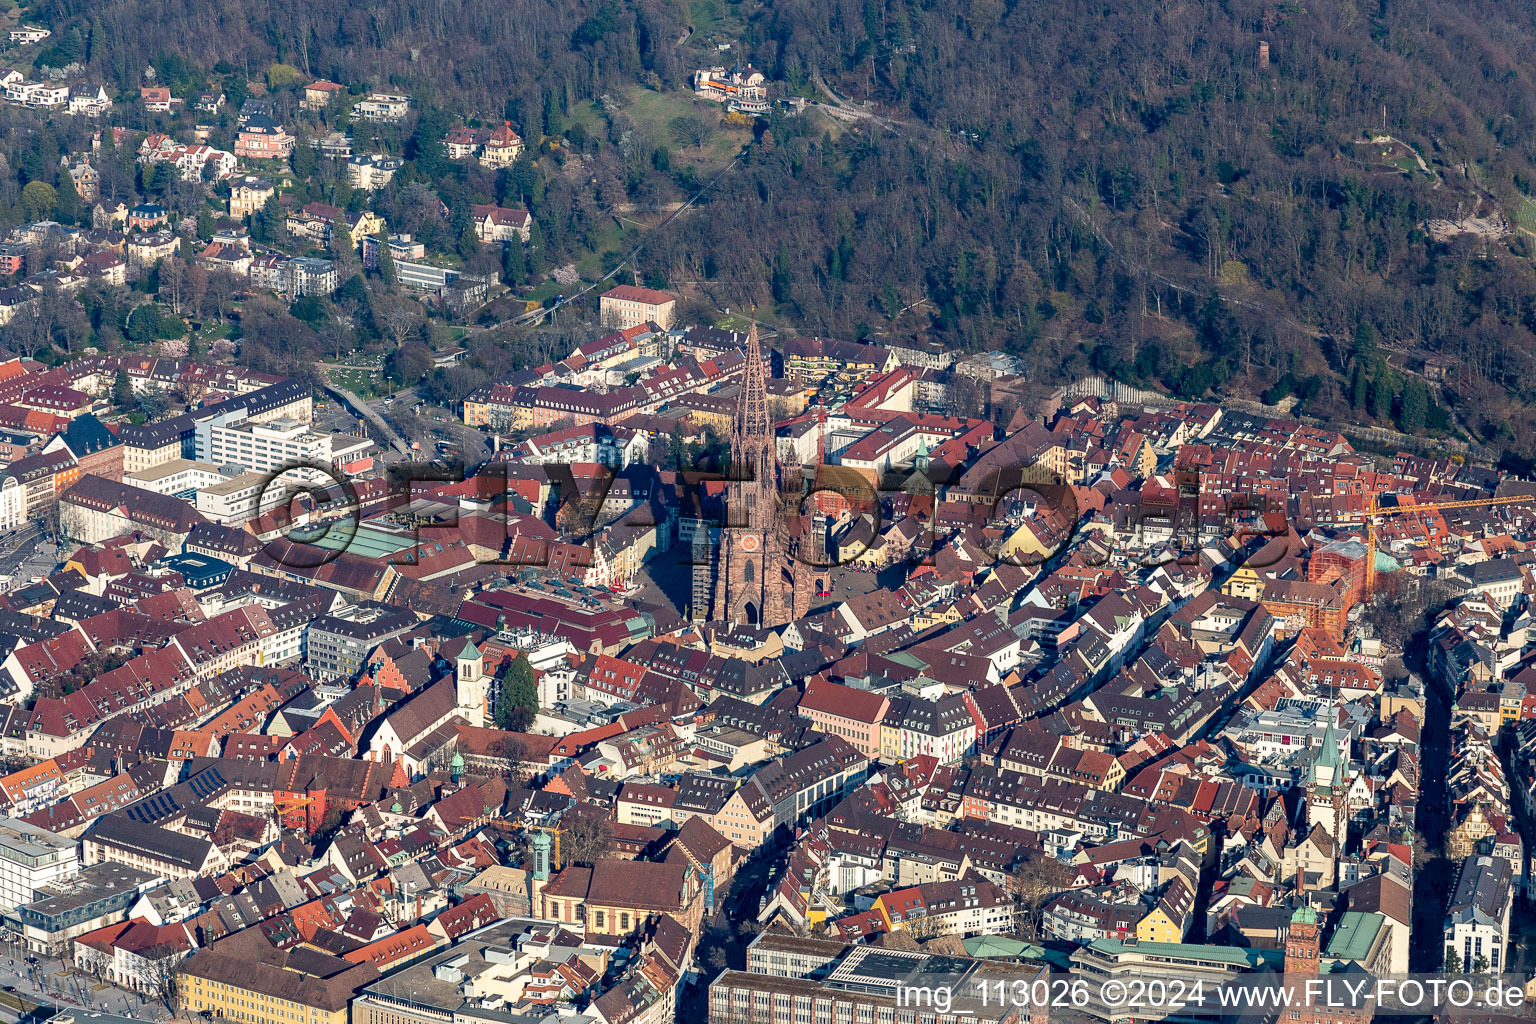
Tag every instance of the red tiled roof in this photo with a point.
(633, 293)
(843, 701)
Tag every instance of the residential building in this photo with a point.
(628, 306)
(373, 171)
(147, 217)
(249, 195)
(382, 106)
(1477, 914)
(85, 179)
(401, 247)
(148, 249)
(319, 94)
(497, 224)
(262, 138)
(463, 143)
(334, 146)
(158, 99)
(501, 147)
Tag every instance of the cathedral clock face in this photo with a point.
(749, 543)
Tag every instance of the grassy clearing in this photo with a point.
(1525, 214)
(654, 112)
(716, 21)
(588, 116)
(705, 16)
(546, 290)
(616, 238)
(359, 382)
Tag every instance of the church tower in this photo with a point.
(471, 683)
(753, 577)
(1328, 789)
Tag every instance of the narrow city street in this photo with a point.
(1433, 872)
(1520, 957)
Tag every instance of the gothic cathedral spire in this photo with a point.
(752, 574)
(752, 454)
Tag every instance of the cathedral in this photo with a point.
(756, 578)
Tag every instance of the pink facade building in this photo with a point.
(839, 710)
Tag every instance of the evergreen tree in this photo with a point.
(159, 178)
(122, 389)
(144, 322)
(305, 159)
(1362, 353)
(1382, 387)
(267, 226)
(341, 240)
(782, 276)
(1415, 406)
(521, 183)
(554, 124)
(386, 261)
(72, 45)
(679, 449)
(536, 249)
(425, 146)
(514, 264)
(465, 241)
(1359, 386)
(517, 701)
(67, 207)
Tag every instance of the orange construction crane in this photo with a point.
(1375, 512)
(554, 830)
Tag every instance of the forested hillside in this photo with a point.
(1108, 186)
(465, 54)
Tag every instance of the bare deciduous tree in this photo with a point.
(173, 279)
(399, 318)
